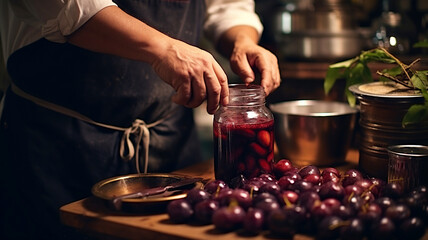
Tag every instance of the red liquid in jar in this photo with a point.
(245, 149)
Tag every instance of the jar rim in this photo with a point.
(245, 87)
(246, 95)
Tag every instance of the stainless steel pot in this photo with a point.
(326, 31)
(317, 46)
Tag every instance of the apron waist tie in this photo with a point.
(139, 129)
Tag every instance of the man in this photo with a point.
(103, 88)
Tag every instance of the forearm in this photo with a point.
(115, 32)
(193, 73)
(240, 34)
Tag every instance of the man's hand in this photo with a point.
(240, 43)
(194, 74)
(247, 56)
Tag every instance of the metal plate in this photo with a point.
(109, 188)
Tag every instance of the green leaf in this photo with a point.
(425, 94)
(356, 71)
(422, 75)
(350, 97)
(393, 71)
(376, 55)
(344, 64)
(422, 44)
(330, 79)
(358, 74)
(415, 114)
(419, 80)
(366, 74)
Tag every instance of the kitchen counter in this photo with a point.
(93, 217)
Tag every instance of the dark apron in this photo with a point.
(49, 159)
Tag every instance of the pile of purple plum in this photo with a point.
(326, 204)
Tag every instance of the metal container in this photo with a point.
(327, 30)
(382, 108)
(313, 132)
(110, 188)
(318, 46)
(408, 165)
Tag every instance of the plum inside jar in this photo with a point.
(243, 149)
(243, 135)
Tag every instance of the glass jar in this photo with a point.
(243, 135)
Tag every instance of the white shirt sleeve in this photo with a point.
(26, 21)
(72, 16)
(224, 14)
(57, 18)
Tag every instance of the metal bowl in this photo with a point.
(121, 185)
(313, 132)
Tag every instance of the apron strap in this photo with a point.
(139, 129)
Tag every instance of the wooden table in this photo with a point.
(92, 216)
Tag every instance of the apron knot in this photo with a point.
(140, 131)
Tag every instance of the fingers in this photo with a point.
(222, 80)
(270, 75)
(191, 91)
(207, 83)
(241, 66)
(243, 62)
(199, 92)
(182, 93)
(213, 92)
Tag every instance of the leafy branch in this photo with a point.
(356, 71)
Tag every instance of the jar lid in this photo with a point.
(384, 89)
